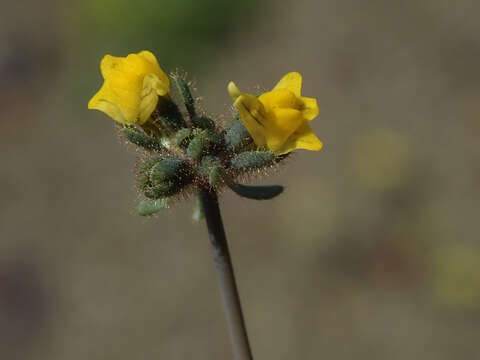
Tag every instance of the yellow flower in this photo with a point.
(131, 87)
(278, 119)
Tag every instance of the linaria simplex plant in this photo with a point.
(186, 152)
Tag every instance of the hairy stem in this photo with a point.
(226, 278)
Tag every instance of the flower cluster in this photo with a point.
(184, 152)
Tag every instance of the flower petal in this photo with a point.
(302, 138)
(310, 108)
(233, 90)
(164, 86)
(251, 112)
(147, 55)
(282, 98)
(124, 91)
(101, 101)
(152, 88)
(280, 126)
(291, 81)
(110, 63)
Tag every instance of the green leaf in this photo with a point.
(257, 192)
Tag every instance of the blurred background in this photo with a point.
(371, 253)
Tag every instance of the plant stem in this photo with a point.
(226, 278)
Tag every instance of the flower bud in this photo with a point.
(165, 177)
(250, 160)
(168, 115)
(204, 122)
(237, 135)
(212, 169)
(202, 143)
(184, 90)
(198, 211)
(149, 207)
(182, 137)
(169, 169)
(139, 138)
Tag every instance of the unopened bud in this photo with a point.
(250, 160)
(212, 169)
(202, 143)
(168, 114)
(204, 122)
(183, 88)
(140, 138)
(149, 207)
(182, 137)
(237, 135)
(166, 177)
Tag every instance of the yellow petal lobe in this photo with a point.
(291, 81)
(108, 64)
(280, 125)
(233, 90)
(100, 102)
(309, 108)
(251, 112)
(302, 138)
(281, 98)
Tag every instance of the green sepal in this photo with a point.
(237, 135)
(198, 212)
(196, 147)
(182, 137)
(184, 91)
(162, 177)
(204, 122)
(149, 207)
(140, 138)
(257, 192)
(217, 176)
(149, 163)
(212, 137)
(250, 160)
(164, 189)
(168, 115)
(144, 172)
(170, 169)
(202, 143)
(212, 169)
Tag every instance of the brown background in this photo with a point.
(372, 252)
